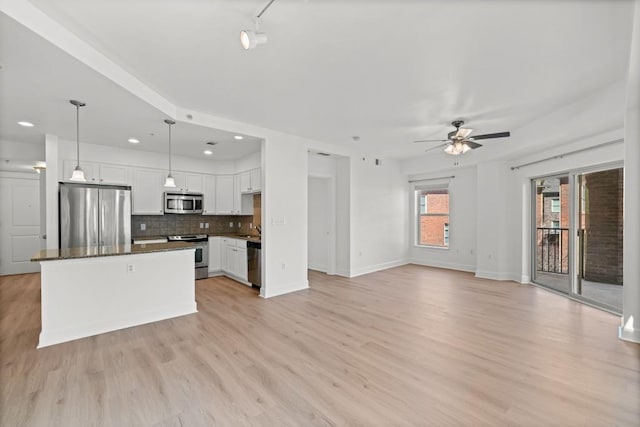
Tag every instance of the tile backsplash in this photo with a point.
(172, 224)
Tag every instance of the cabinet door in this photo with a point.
(245, 182)
(180, 180)
(209, 195)
(223, 254)
(256, 180)
(224, 194)
(115, 174)
(90, 170)
(214, 254)
(148, 192)
(230, 260)
(193, 183)
(237, 195)
(241, 263)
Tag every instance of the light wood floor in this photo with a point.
(407, 346)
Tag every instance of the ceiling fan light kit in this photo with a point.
(458, 141)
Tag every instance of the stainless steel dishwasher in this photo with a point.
(254, 262)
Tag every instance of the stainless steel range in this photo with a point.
(202, 252)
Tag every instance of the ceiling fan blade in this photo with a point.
(459, 133)
(464, 133)
(472, 144)
(432, 140)
(492, 135)
(436, 147)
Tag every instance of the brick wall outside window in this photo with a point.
(432, 224)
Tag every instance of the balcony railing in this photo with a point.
(552, 250)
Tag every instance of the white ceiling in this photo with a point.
(37, 80)
(388, 71)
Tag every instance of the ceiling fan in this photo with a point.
(459, 142)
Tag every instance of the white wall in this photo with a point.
(379, 215)
(343, 216)
(284, 218)
(630, 328)
(461, 253)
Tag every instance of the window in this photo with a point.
(555, 205)
(432, 207)
(555, 224)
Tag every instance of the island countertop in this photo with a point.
(102, 251)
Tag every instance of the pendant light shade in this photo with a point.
(78, 173)
(169, 182)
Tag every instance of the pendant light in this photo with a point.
(170, 182)
(78, 173)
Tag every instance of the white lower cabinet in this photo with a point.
(234, 259)
(215, 259)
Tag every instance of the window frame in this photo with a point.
(417, 190)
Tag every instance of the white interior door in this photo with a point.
(318, 224)
(19, 224)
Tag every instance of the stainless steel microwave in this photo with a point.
(182, 203)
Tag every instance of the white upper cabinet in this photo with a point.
(256, 180)
(250, 181)
(209, 195)
(148, 192)
(225, 195)
(190, 182)
(91, 171)
(245, 182)
(99, 173)
(115, 174)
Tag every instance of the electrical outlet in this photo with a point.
(202, 225)
(131, 268)
(206, 225)
(143, 227)
(239, 225)
(231, 224)
(283, 266)
(250, 225)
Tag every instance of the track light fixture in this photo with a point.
(250, 39)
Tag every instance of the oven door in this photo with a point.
(202, 256)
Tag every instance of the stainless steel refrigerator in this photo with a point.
(94, 215)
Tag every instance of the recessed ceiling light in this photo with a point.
(26, 124)
(133, 140)
(208, 152)
(239, 137)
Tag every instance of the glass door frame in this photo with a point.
(574, 212)
(534, 232)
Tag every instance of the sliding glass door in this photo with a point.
(600, 226)
(552, 204)
(577, 235)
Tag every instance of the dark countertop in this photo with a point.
(101, 251)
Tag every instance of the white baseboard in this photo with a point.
(447, 265)
(627, 334)
(525, 279)
(317, 267)
(494, 275)
(272, 290)
(342, 272)
(378, 267)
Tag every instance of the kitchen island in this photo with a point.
(93, 290)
